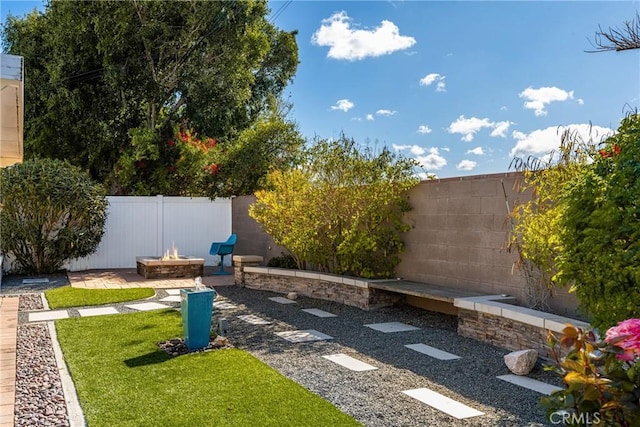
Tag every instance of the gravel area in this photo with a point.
(374, 397)
(39, 397)
(30, 302)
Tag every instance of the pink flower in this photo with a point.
(626, 335)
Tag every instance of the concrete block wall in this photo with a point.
(251, 239)
(459, 236)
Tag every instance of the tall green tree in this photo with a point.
(109, 82)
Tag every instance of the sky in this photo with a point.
(462, 87)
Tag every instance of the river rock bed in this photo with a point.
(39, 397)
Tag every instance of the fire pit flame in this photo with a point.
(171, 255)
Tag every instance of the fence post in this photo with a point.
(160, 225)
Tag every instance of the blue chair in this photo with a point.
(221, 249)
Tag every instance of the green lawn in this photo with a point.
(68, 296)
(124, 379)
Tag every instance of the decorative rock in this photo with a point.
(292, 295)
(521, 362)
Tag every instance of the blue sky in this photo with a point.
(461, 86)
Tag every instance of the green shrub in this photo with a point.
(340, 210)
(601, 230)
(283, 261)
(51, 212)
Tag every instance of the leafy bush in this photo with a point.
(602, 378)
(537, 222)
(50, 212)
(340, 210)
(600, 230)
(282, 261)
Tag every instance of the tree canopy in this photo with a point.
(110, 83)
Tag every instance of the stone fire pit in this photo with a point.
(153, 267)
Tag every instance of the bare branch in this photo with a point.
(619, 39)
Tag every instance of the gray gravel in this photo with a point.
(39, 397)
(374, 398)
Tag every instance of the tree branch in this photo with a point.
(619, 39)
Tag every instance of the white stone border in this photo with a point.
(74, 410)
(491, 305)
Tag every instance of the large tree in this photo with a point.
(110, 83)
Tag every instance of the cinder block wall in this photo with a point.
(458, 237)
(251, 239)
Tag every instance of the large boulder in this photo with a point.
(521, 362)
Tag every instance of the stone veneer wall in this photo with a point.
(329, 287)
(502, 332)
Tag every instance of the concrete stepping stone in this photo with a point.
(35, 281)
(443, 403)
(147, 306)
(254, 320)
(318, 312)
(43, 316)
(349, 362)
(223, 305)
(101, 311)
(432, 351)
(389, 327)
(305, 335)
(172, 291)
(530, 383)
(171, 298)
(281, 300)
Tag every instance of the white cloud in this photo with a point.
(428, 159)
(384, 112)
(429, 79)
(433, 160)
(501, 128)
(369, 116)
(424, 129)
(537, 99)
(466, 165)
(447, 149)
(542, 141)
(468, 127)
(504, 108)
(478, 151)
(356, 119)
(343, 104)
(353, 44)
(580, 101)
(416, 150)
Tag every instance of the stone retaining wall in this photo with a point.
(509, 326)
(502, 332)
(345, 290)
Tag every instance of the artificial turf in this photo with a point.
(68, 296)
(124, 379)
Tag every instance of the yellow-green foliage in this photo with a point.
(340, 210)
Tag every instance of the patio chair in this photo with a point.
(221, 249)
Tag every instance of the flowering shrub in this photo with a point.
(602, 377)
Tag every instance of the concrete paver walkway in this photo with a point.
(129, 278)
(8, 327)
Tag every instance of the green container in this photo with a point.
(197, 309)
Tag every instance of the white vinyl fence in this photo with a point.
(149, 226)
